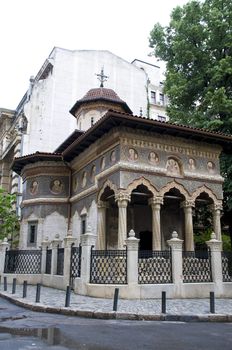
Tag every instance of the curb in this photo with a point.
(116, 315)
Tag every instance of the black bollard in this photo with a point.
(116, 293)
(14, 286)
(163, 307)
(67, 297)
(37, 298)
(24, 289)
(212, 302)
(5, 283)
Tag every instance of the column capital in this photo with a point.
(156, 201)
(189, 203)
(216, 206)
(122, 198)
(102, 205)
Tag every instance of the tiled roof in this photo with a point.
(100, 94)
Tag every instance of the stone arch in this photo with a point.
(204, 189)
(177, 186)
(109, 184)
(142, 181)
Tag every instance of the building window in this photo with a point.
(161, 118)
(153, 97)
(32, 233)
(161, 98)
(83, 224)
(92, 121)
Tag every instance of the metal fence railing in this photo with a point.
(197, 267)
(154, 267)
(75, 263)
(108, 266)
(23, 261)
(227, 266)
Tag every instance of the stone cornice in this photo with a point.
(37, 201)
(170, 144)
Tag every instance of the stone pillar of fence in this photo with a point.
(177, 266)
(55, 244)
(3, 247)
(132, 244)
(44, 245)
(69, 240)
(216, 263)
(87, 241)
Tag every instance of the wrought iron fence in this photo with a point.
(60, 261)
(154, 267)
(75, 263)
(108, 266)
(23, 261)
(197, 267)
(48, 266)
(227, 266)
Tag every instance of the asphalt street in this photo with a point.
(22, 329)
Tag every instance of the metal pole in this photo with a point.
(67, 297)
(5, 283)
(116, 293)
(212, 302)
(163, 307)
(14, 286)
(37, 298)
(24, 289)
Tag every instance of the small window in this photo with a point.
(161, 98)
(83, 224)
(153, 97)
(92, 121)
(32, 233)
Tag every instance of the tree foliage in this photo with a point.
(9, 223)
(197, 47)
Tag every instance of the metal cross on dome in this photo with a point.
(102, 77)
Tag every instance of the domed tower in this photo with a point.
(89, 109)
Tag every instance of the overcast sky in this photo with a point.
(29, 29)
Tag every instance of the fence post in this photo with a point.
(3, 247)
(177, 265)
(87, 241)
(68, 241)
(132, 261)
(44, 246)
(55, 244)
(216, 263)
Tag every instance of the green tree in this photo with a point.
(9, 223)
(197, 49)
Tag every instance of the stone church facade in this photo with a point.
(124, 172)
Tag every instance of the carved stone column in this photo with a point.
(156, 230)
(216, 209)
(188, 223)
(101, 238)
(122, 200)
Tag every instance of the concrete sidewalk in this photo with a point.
(53, 301)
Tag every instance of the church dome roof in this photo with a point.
(100, 94)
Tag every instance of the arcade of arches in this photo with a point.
(153, 215)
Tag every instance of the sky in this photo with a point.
(29, 29)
